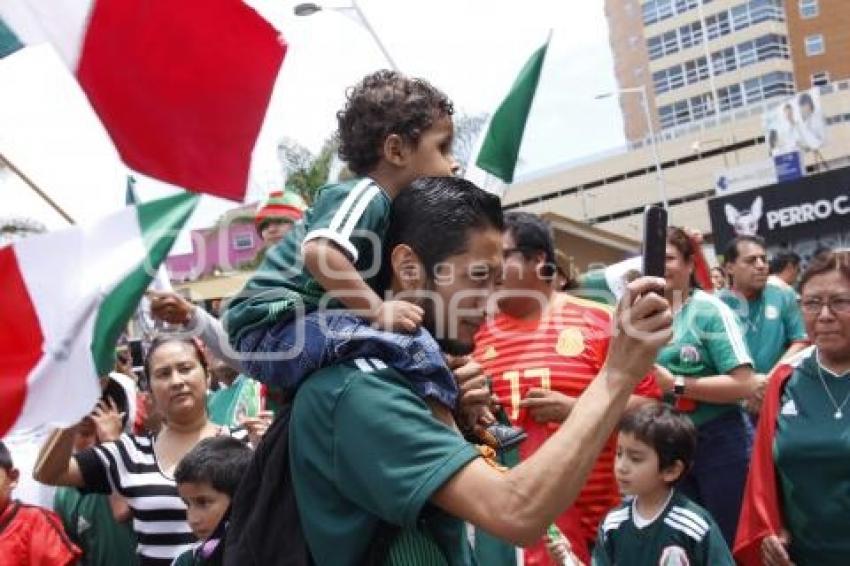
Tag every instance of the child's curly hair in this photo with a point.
(382, 104)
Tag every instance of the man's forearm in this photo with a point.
(550, 480)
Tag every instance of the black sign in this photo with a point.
(784, 213)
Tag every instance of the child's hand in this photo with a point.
(560, 551)
(398, 316)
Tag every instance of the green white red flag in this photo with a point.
(67, 296)
(181, 87)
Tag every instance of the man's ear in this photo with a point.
(407, 268)
(395, 150)
(13, 475)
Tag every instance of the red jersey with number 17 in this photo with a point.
(563, 352)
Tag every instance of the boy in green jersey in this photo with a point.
(315, 299)
(657, 525)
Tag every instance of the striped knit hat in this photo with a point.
(282, 205)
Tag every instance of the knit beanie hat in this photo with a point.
(284, 205)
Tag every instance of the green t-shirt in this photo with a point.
(771, 322)
(355, 215)
(89, 522)
(606, 285)
(364, 448)
(707, 340)
(812, 454)
(684, 533)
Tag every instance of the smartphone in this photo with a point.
(654, 240)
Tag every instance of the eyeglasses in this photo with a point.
(814, 305)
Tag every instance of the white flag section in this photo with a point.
(49, 131)
(67, 296)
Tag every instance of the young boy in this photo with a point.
(29, 534)
(289, 320)
(657, 525)
(207, 478)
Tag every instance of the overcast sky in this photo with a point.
(471, 49)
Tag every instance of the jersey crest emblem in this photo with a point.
(789, 408)
(489, 353)
(771, 312)
(674, 556)
(570, 342)
(689, 354)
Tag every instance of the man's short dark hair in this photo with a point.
(220, 461)
(532, 235)
(782, 260)
(670, 434)
(5, 457)
(385, 103)
(733, 247)
(435, 214)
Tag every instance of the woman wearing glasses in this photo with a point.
(796, 504)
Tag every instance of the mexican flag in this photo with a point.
(500, 145)
(67, 296)
(181, 87)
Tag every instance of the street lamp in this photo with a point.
(310, 8)
(662, 188)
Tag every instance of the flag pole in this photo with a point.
(5, 161)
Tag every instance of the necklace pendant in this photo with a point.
(838, 414)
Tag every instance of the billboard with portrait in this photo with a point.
(796, 124)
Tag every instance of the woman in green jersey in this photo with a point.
(797, 505)
(707, 367)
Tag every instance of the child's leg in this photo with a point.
(417, 355)
(283, 354)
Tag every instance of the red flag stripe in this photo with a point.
(182, 87)
(21, 339)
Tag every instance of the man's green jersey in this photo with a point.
(88, 521)
(683, 533)
(771, 322)
(365, 448)
(354, 215)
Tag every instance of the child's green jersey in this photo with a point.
(682, 534)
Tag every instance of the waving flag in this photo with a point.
(182, 87)
(67, 296)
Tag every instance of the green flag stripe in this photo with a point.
(160, 222)
(499, 152)
(9, 42)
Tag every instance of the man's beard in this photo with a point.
(451, 346)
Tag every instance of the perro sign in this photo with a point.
(807, 212)
(809, 208)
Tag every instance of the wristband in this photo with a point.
(679, 386)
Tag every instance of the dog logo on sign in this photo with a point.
(745, 222)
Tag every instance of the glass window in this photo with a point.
(747, 53)
(665, 9)
(670, 41)
(696, 70)
(676, 77)
(814, 44)
(752, 90)
(682, 112)
(808, 9)
(701, 106)
(740, 16)
(820, 79)
(659, 81)
(717, 25)
(649, 13)
(656, 50)
(243, 241)
(666, 116)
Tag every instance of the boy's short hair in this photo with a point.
(385, 103)
(5, 457)
(220, 461)
(671, 434)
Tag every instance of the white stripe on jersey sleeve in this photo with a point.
(686, 528)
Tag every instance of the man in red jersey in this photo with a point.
(541, 352)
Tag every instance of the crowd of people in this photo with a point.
(412, 377)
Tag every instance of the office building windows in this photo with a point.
(808, 9)
(814, 44)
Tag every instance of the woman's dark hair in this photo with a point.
(782, 260)
(382, 104)
(838, 260)
(166, 339)
(220, 461)
(434, 216)
(680, 240)
(532, 235)
(671, 435)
